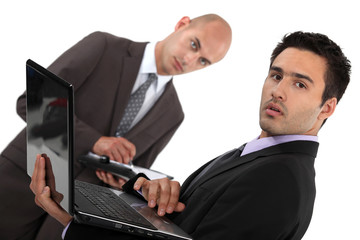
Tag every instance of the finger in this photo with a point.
(103, 176)
(40, 181)
(164, 196)
(34, 175)
(58, 197)
(130, 147)
(111, 180)
(125, 154)
(98, 174)
(139, 183)
(174, 197)
(111, 156)
(153, 193)
(41, 198)
(121, 182)
(179, 207)
(117, 155)
(50, 178)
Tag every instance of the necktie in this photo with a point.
(135, 102)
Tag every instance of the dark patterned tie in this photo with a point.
(135, 102)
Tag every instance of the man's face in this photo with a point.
(190, 48)
(292, 94)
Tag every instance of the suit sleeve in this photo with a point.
(261, 205)
(147, 158)
(75, 65)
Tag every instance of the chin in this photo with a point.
(269, 130)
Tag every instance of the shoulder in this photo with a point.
(107, 38)
(288, 169)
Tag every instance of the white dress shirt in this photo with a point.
(156, 89)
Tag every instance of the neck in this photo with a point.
(158, 48)
(266, 134)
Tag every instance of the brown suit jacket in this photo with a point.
(103, 69)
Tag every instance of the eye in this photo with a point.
(193, 45)
(300, 85)
(203, 61)
(276, 77)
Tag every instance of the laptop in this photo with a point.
(50, 130)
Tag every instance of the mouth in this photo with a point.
(273, 110)
(178, 66)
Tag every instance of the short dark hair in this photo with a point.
(338, 71)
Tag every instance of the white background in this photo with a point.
(221, 103)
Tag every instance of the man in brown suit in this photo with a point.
(105, 70)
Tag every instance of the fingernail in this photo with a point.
(169, 210)
(162, 212)
(152, 203)
(46, 189)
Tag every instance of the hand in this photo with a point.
(47, 197)
(161, 192)
(116, 148)
(108, 178)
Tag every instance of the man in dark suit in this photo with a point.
(106, 71)
(264, 189)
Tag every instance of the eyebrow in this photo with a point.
(199, 47)
(198, 42)
(297, 75)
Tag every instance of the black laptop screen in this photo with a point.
(50, 125)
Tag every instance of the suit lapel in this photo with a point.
(303, 147)
(163, 116)
(130, 70)
(161, 106)
(213, 172)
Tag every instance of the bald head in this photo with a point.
(208, 18)
(223, 33)
(195, 44)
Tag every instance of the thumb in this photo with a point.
(43, 197)
(46, 191)
(179, 207)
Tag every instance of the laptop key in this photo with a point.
(111, 205)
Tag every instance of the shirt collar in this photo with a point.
(261, 143)
(148, 65)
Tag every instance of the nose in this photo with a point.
(279, 91)
(191, 58)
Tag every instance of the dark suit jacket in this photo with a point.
(268, 194)
(103, 69)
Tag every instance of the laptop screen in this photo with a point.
(49, 128)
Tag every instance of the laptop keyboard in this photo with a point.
(110, 204)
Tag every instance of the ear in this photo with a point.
(183, 22)
(328, 108)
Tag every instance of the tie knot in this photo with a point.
(152, 77)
